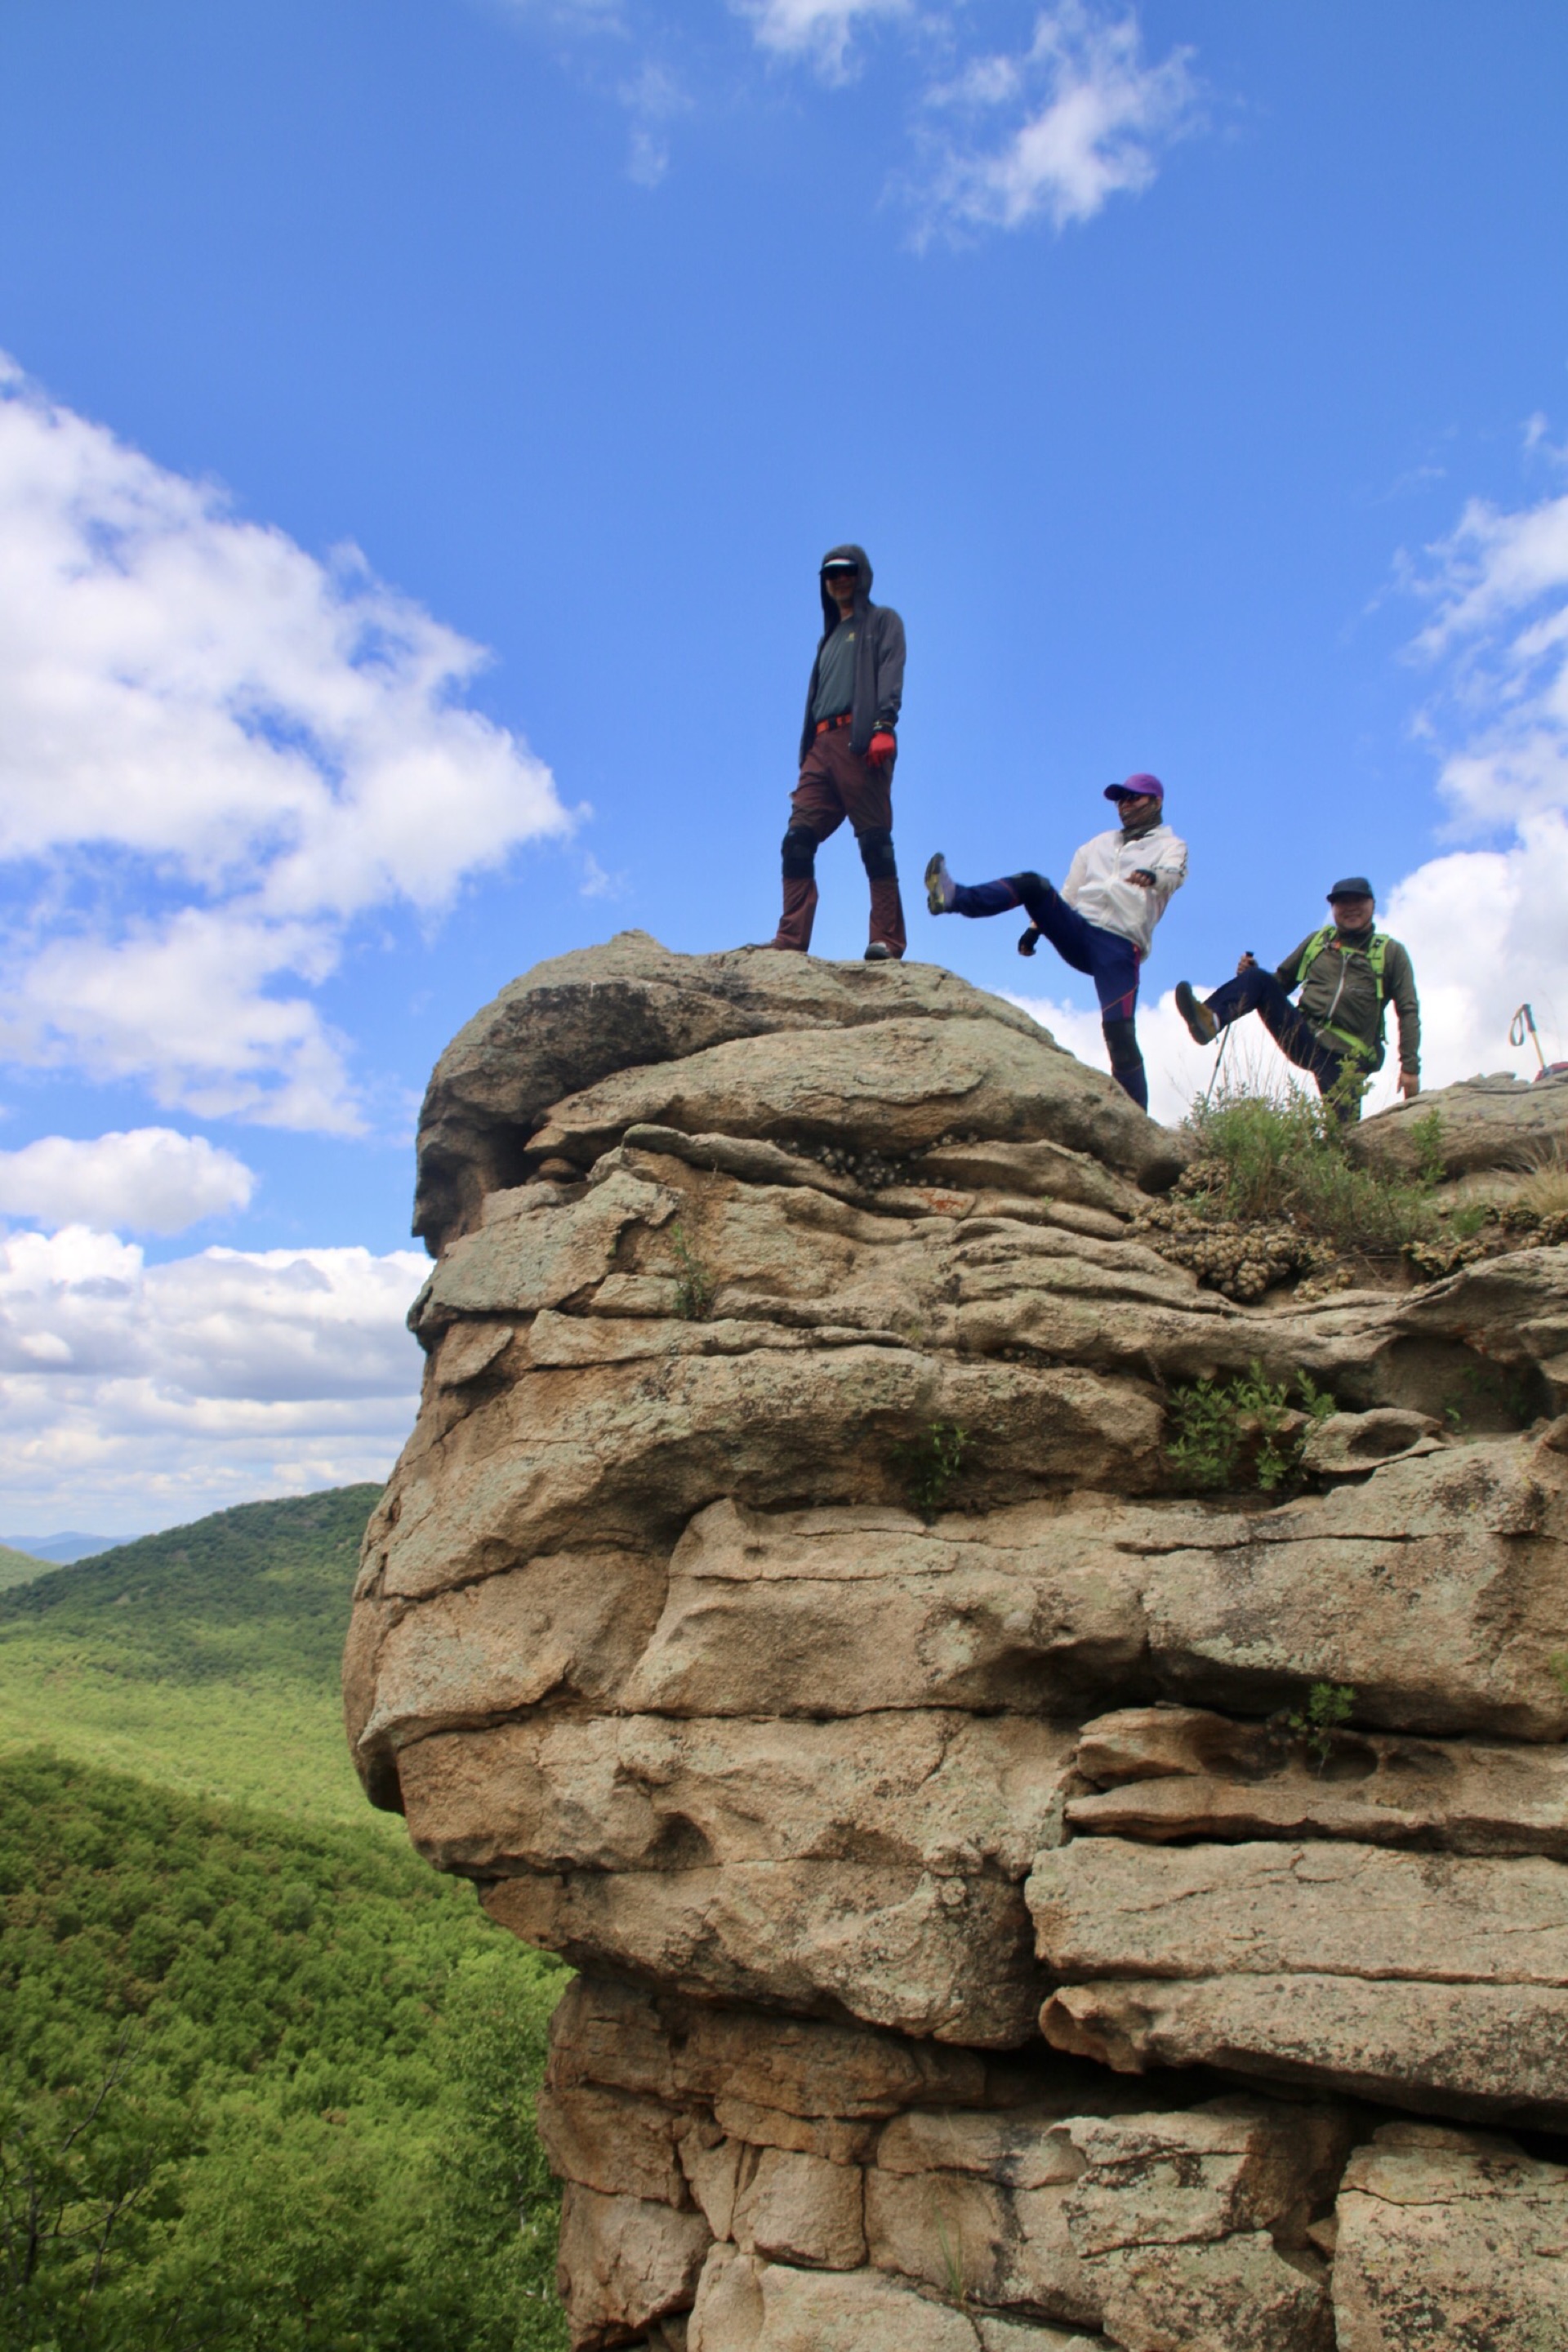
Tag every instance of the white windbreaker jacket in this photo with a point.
(1096, 884)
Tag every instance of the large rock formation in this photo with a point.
(786, 1608)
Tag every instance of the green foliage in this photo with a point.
(694, 1286)
(1428, 1133)
(1261, 1156)
(1328, 1705)
(1557, 1667)
(1241, 1431)
(931, 1464)
(264, 2087)
(206, 1658)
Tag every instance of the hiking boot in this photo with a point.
(1203, 1026)
(880, 953)
(941, 887)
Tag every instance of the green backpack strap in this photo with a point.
(1376, 956)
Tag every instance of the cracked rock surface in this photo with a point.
(787, 1610)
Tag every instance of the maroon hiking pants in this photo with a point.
(835, 783)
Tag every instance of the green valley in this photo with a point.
(266, 2080)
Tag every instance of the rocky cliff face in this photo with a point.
(786, 1609)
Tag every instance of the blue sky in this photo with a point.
(1196, 377)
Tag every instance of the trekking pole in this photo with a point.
(1524, 1019)
(1219, 1064)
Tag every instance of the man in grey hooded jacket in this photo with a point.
(848, 748)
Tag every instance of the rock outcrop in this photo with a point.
(788, 1609)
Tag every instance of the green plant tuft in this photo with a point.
(931, 1464)
(1557, 1667)
(1228, 1432)
(695, 1287)
(1427, 1131)
(952, 2265)
(1328, 1705)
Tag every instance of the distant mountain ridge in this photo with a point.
(61, 1549)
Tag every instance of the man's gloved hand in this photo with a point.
(881, 748)
(1026, 943)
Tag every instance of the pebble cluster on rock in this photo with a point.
(973, 1959)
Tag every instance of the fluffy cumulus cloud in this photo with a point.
(141, 1395)
(1055, 131)
(217, 752)
(151, 1179)
(1485, 921)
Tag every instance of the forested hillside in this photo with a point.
(205, 1657)
(20, 1566)
(266, 2081)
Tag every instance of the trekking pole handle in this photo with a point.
(1524, 1020)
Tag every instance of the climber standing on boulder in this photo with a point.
(1346, 971)
(1102, 919)
(847, 749)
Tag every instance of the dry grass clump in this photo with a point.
(1544, 1192)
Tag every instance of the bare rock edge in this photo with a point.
(970, 1962)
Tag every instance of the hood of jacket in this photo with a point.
(847, 553)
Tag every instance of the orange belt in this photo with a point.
(845, 719)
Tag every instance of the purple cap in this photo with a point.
(1136, 788)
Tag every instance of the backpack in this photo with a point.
(1376, 953)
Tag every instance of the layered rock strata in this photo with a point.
(786, 1609)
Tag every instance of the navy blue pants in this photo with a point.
(1258, 992)
(1111, 961)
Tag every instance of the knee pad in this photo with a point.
(877, 854)
(799, 854)
(1122, 1043)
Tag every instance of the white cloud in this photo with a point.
(149, 1394)
(1057, 130)
(653, 98)
(817, 30)
(150, 1179)
(216, 752)
(1485, 924)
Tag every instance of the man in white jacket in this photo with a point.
(1102, 919)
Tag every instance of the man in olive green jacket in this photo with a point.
(1348, 971)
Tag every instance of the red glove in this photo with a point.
(881, 748)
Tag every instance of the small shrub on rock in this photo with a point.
(931, 1464)
(694, 1286)
(1328, 1707)
(1231, 1434)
